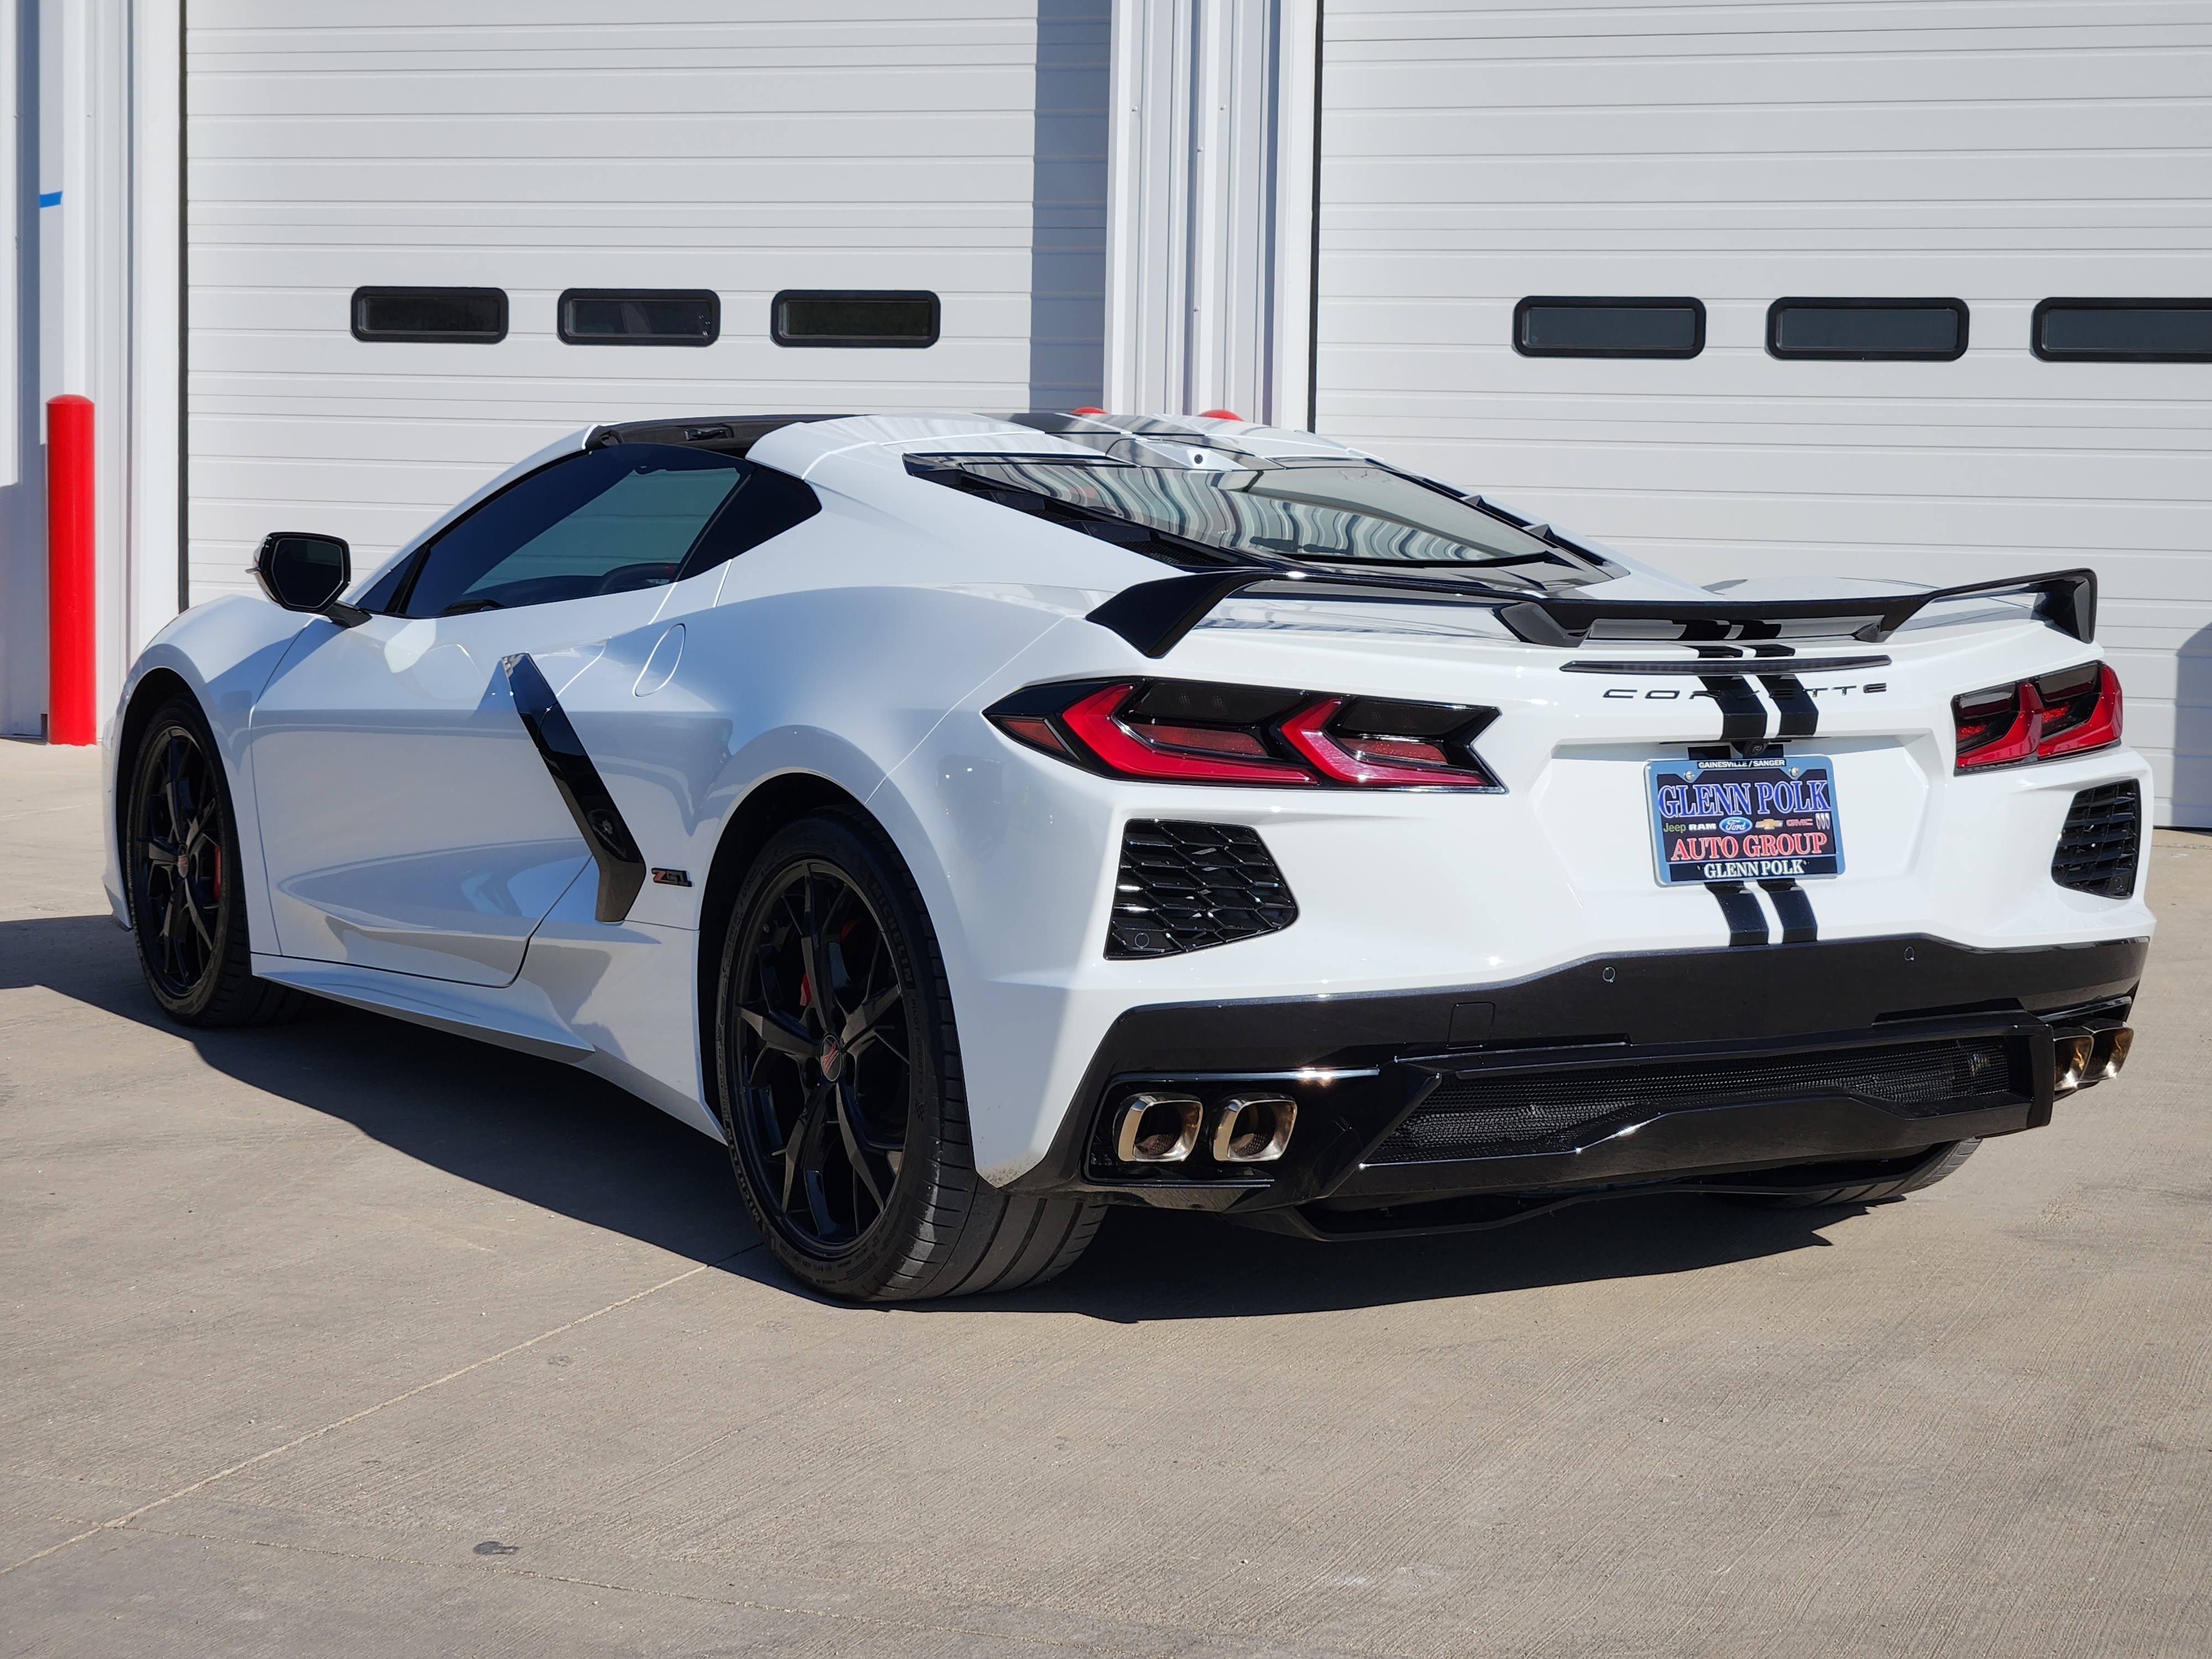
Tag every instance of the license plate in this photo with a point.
(1745, 820)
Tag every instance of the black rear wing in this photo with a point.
(1154, 616)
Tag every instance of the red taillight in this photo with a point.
(1377, 762)
(1183, 732)
(2069, 713)
(1136, 753)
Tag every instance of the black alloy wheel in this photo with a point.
(821, 1065)
(837, 1076)
(179, 862)
(179, 858)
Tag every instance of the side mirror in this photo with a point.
(308, 573)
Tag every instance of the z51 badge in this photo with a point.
(1745, 820)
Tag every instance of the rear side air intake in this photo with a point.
(2101, 841)
(1190, 886)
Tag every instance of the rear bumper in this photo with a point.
(1626, 1069)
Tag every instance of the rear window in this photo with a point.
(1323, 514)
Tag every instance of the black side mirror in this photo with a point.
(308, 573)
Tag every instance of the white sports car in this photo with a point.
(977, 822)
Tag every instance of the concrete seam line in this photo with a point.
(367, 1411)
(673, 1594)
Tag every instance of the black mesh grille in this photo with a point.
(1556, 1111)
(2098, 849)
(1185, 886)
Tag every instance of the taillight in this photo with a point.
(1188, 732)
(2069, 713)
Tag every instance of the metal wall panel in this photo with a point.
(1998, 153)
(743, 146)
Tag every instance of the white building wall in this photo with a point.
(1211, 182)
(2000, 153)
(743, 146)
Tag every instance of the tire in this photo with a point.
(187, 906)
(1940, 1164)
(844, 1110)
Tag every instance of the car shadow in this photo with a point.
(566, 1141)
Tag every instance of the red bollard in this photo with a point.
(72, 670)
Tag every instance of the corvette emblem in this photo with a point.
(833, 1057)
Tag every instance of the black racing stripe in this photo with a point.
(1801, 715)
(1746, 921)
(1743, 716)
(583, 791)
(1794, 905)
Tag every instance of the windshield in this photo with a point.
(1331, 514)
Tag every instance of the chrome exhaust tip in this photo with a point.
(1252, 1128)
(1157, 1128)
(2110, 1053)
(2070, 1063)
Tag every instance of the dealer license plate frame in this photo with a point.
(1701, 829)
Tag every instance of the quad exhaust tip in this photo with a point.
(1252, 1128)
(1157, 1128)
(2090, 1057)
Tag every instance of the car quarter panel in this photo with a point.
(225, 652)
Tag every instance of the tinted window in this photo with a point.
(1568, 327)
(854, 316)
(476, 316)
(1867, 330)
(1326, 513)
(609, 521)
(2123, 331)
(639, 317)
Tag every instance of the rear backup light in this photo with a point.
(2069, 713)
(1189, 731)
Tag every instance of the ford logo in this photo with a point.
(1735, 826)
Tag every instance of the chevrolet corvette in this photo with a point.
(975, 823)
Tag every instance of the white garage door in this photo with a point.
(1998, 154)
(732, 148)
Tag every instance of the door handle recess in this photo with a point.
(613, 849)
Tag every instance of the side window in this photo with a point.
(607, 521)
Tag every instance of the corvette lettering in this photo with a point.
(1667, 693)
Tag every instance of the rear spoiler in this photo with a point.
(1154, 616)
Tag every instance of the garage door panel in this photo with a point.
(741, 146)
(1999, 154)
(1689, 130)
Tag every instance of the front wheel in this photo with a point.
(837, 1068)
(180, 860)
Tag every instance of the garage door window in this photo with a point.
(1573, 326)
(1868, 330)
(640, 316)
(469, 316)
(2123, 331)
(899, 317)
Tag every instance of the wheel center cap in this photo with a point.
(833, 1058)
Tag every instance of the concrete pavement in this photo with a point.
(349, 1338)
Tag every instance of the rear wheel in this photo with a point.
(179, 858)
(838, 1073)
(1938, 1165)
